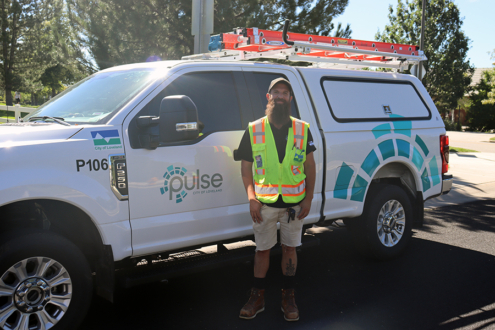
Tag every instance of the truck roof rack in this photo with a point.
(251, 43)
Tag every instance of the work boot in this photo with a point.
(289, 307)
(255, 304)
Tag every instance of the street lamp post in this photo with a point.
(202, 24)
(422, 42)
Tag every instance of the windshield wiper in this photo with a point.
(59, 120)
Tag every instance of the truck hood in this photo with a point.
(19, 133)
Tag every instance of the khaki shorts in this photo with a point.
(265, 233)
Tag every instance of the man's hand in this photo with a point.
(305, 207)
(255, 210)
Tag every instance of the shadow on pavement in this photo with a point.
(465, 155)
(433, 285)
(466, 216)
(464, 192)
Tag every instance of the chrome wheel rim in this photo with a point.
(391, 223)
(35, 293)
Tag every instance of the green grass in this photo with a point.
(457, 149)
(10, 114)
(492, 139)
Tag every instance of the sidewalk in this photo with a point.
(472, 140)
(474, 179)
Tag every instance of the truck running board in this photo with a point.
(194, 261)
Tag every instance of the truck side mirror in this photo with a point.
(178, 119)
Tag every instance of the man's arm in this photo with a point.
(310, 171)
(247, 179)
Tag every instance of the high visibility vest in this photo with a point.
(271, 178)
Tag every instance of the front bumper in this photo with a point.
(447, 180)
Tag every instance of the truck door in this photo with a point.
(190, 193)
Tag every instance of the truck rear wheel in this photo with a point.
(385, 228)
(45, 282)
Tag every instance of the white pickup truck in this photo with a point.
(136, 164)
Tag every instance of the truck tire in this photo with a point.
(385, 228)
(45, 282)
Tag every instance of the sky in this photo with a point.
(366, 17)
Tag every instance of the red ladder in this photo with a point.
(253, 43)
(257, 40)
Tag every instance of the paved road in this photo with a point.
(474, 175)
(474, 179)
(444, 280)
(470, 140)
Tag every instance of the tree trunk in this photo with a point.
(8, 95)
(53, 92)
(5, 54)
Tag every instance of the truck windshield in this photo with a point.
(93, 100)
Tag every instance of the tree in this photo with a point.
(16, 16)
(119, 32)
(36, 35)
(481, 114)
(61, 57)
(491, 93)
(312, 17)
(56, 76)
(448, 71)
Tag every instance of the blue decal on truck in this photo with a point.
(370, 163)
(343, 180)
(422, 145)
(382, 129)
(402, 127)
(358, 189)
(404, 148)
(107, 139)
(388, 150)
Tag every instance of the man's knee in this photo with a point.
(264, 253)
(288, 249)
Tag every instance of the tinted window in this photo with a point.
(214, 94)
(373, 100)
(263, 81)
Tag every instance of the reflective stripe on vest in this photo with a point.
(298, 127)
(259, 131)
(265, 189)
(295, 170)
(294, 190)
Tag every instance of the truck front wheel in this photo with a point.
(385, 228)
(45, 282)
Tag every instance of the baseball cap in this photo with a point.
(280, 80)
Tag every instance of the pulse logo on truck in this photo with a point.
(177, 183)
(108, 139)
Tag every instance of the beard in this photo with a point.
(278, 113)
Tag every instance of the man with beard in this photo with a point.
(281, 148)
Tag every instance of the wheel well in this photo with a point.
(398, 174)
(58, 217)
